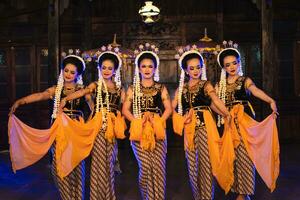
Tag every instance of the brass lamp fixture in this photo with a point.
(149, 12)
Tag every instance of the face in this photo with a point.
(70, 73)
(107, 69)
(193, 68)
(231, 65)
(147, 68)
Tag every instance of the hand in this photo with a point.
(112, 117)
(145, 118)
(62, 104)
(274, 108)
(14, 107)
(118, 113)
(228, 118)
(188, 117)
(151, 119)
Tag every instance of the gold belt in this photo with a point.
(155, 110)
(199, 122)
(74, 113)
(199, 108)
(243, 102)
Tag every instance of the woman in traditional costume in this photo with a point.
(69, 81)
(147, 106)
(108, 95)
(193, 101)
(235, 89)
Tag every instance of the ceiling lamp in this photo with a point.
(149, 12)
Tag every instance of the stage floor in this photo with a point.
(35, 182)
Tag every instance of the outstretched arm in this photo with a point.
(213, 106)
(249, 84)
(215, 109)
(40, 96)
(217, 105)
(80, 93)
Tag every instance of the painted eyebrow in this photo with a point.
(194, 65)
(107, 66)
(231, 62)
(148, 65)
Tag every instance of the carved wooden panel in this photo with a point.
(161, 29)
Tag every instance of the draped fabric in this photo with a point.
(201, 145)
(261, 143)
(149, 144)
(74, 140)
(147, 132)
(213, 138)
(72, 186)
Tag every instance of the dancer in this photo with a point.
(69, 81)
(108, 95)
(235, 89)
(193, 101)
(147, 106)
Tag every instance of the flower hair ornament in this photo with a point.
(182, 53)
(142, 49)
(230, 48)
(80, 64)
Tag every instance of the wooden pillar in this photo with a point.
(220, 21)
(53, 41)
(269, 64)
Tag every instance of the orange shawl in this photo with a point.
(262, 145)
(74, 140)
(146, 133)
(189, 134)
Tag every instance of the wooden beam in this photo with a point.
(53, 41)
